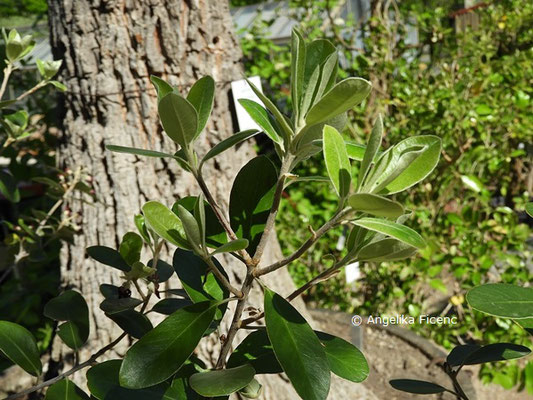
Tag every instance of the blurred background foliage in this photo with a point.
(468, 79)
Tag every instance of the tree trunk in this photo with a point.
(110, 48)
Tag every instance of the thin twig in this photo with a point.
(304, 247)
(7, 72)
(223, 280)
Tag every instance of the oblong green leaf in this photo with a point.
(416, 386)
(251, 198)
(103, 383)
(298, 50)
(18, 344)
(163, 88)
(502, 300)
(70, 306)
(222, 382)
(529, 209)
(280, 118)
(179, 118)
(421, 167)
(342, 97)
(65, 390)
(132, 322)
(345, 360)
(261, 117)
(337, 161)
(375, 205)
(163, 350)
(234, 245)
(393, 229)
(385, 250)
(191, 228)
(138, 152)
(374, 142)
(496, 352)
(113, 306)
(460, 353)
(169, 306)
(108, 256)
(130, 247)
(228, 143)
(201, 96)
(297, 348)
(165, 223)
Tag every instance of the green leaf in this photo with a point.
(421, 167)
(18, 344)
(460, 353)
(320, 54)
(108, 256)
(191, 228)
(165, 223)
(502, 300)
(253, 390)
(65, 390)
(179, 119)
(6, 103)
(496, 352)
(297, 69)
(529, 209)
(273, 109)
(8, 187)
(130, 247)
(132, 322)
(138, 152)
(164, 270)
(374, 142)
(251, 198)
(192, 271)
(138, 219)
(201, 96)
(199, 216)
(472, 183)
(163, 350)
(261, 117)
(234, 245)
(228, 143)
(215, 233)
(113, 306)
(375, 205)
(526, 324)
(309, 92)
(58, 85)
(393, 229)
(70, 306)
(223, 381)
(163, 88)
(297, 348)
(168, 306)
(342, 97)
(345, 360)
(257, 351)
(337, 161)
(415, 386)
(103, 383)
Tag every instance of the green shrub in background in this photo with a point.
(473, 90)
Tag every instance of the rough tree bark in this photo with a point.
(110, 48)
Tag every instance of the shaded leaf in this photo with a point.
(385, 250)
(113, 306)
(138, 152)
(223, 381)
(251, 198)
(132, 322)
(460, 353)
(168, 306)
(108, 256)
(18, 344)
(415, 386)
(65, 390)
(257, 351)
(163, 88)
(163, 350)
(297, 348)
(8, 187)
(374, 142)
(70, 306)
(496, 352)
